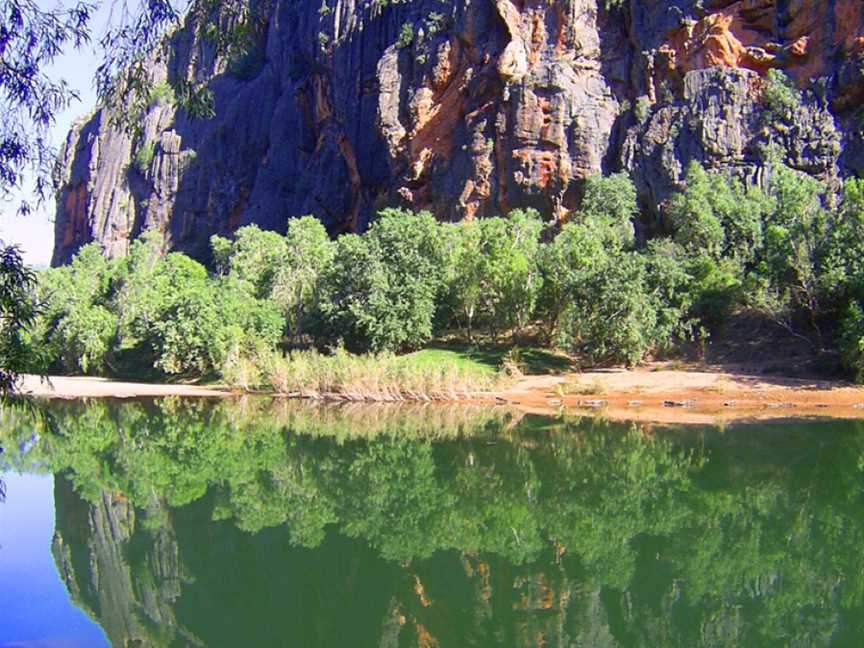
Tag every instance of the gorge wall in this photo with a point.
(466, 108)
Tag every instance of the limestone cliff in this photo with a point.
(466, 108)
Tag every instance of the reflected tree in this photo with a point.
(615, 534)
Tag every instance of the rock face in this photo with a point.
(470, 108)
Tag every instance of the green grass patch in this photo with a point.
(532, 360)
(465, 360)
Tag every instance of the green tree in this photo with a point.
(381, 291)
(852, 340)
(30, 99)
(610, 203)
(670, 287)
(84, 337)
(254, 257)
(147, 286)
(206, 324)
(841, 267)
(796, 235)
(354, 294)
(75, 327)
(607, 303)
(147, 310)
(53, 288)
(297, 286)
(493, 274)
(576, 253)
(515, 275)
(17, 313)
(465, 273)
(716, 216)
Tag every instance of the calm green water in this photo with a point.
(260, 524)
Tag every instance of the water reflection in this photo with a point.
(35, 608)
(189, 523)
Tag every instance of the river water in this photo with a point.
(264, 523)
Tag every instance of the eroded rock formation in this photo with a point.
(469, 108)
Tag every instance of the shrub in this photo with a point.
(198, 101)
(779, 96)
(406, 36)
(642, 108)
(144, 157)
(162, 92)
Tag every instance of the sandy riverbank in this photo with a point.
(707, 395)
(89, 387)
(656, 394)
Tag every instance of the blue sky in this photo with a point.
(35, 233)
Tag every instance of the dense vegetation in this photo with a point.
(587, 286)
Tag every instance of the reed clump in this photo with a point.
(381, 377)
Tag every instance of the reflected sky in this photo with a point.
(35, 608)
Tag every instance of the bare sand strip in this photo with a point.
(648, 394)
(89, 387)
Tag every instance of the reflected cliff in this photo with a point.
(260, 523)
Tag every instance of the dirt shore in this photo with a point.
(651, 394)
(695, 395)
